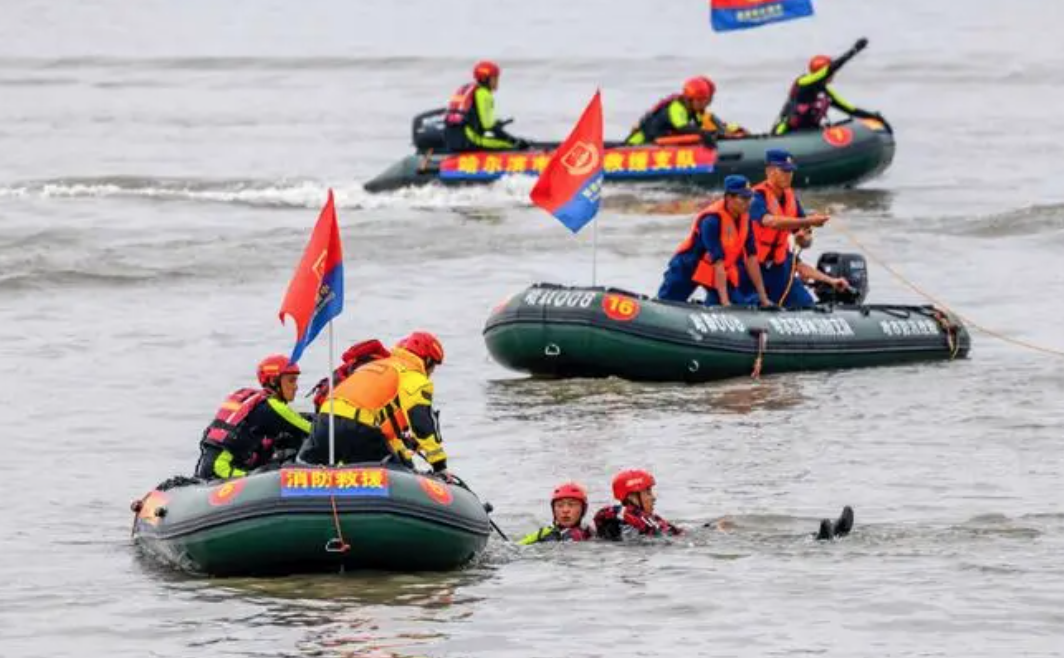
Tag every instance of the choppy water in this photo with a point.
(162, 163)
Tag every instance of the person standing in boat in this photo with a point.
(384, 408)
(635, 516)
(568, 504)
(719, 240)
(470, 124)
(811, 95)
(776, 214)
(254, 423)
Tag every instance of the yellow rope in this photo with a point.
(836, 223)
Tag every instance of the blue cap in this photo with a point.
(738, 185)
(780, 159)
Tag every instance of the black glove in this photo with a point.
(520, 143)
(709, 139)
(502, 123)
(861, 44)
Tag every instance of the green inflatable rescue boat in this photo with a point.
(571, 331)
(311, 519)
(839, 155)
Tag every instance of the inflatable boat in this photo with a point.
(840, 155)
(572, 331)
(310, 519)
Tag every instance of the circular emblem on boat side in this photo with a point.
(224, 493)
(620, 307)
(581, 159)
(838, 136)
(436, 490)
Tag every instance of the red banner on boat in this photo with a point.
(334, 482)
(728, 15)
(617, 163)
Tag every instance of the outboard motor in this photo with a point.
(851, 267)
(427, 130)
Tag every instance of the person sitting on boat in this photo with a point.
(679, 118)
(470, 123)
(568, 504)
(635, 515)
(254, 423)
(352, 359)
(384, 408)
(720, 238)
(776, 214)
(811, 97)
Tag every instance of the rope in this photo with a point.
(836, 223)
(337, 543)
(762, 343)
(790, 280)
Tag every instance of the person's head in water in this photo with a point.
(635, 488)
(569, 505)
(779, 168)
(279, 376)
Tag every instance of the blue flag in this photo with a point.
(728, 15)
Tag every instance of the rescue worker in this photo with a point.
(384, 408)
(253, 423)
(678, 114)
(720, 238)
(776, 214)
(811, 97)
(470, 124)
(635, 515)
(568, 504)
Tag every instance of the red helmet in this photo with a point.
(485, 70)
(423, 345)
(631, 481)
(274, 366)
(699, 88)
(818, 62)
(569, 490)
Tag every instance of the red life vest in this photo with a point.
(650, 525)
(732, 239)
(232, 414)
(460, 107)
(773, 244)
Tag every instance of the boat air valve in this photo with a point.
(693, 366)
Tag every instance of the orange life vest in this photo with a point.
(232, 414)
(773, 244)
(373, 390)
(732, 239)
(460, 107)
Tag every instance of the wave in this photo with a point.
(1038, 219)
(282, 193)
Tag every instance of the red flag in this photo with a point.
(571, 184)
(316, 293)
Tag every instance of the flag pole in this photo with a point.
(332, 417)
(594, 252)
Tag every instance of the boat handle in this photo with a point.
(693, 366)
(552, 349)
